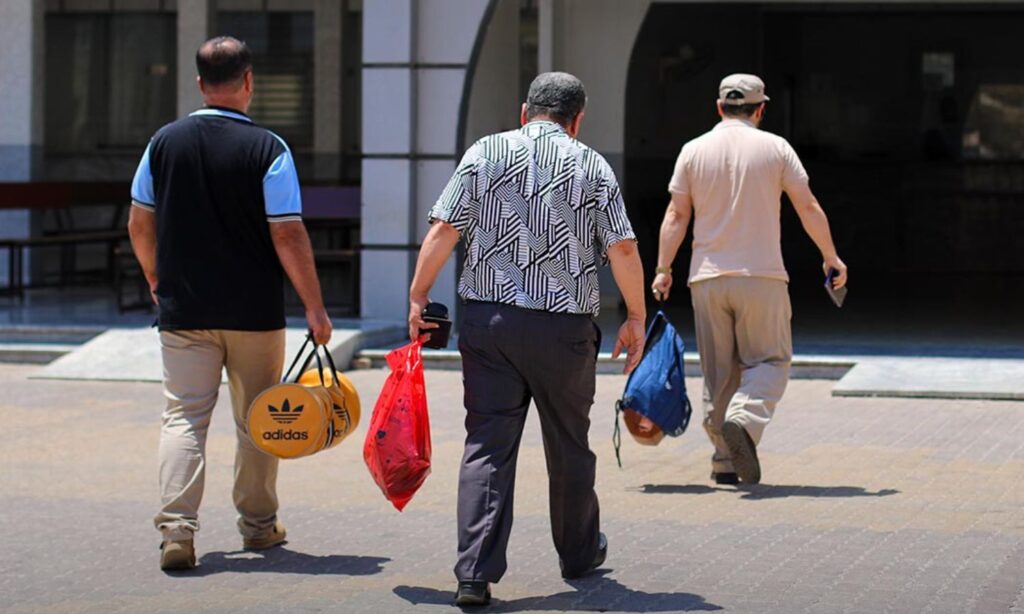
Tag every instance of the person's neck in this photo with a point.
(231, 104)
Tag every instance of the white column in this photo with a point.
(387, 169)
(328, 15)
(21, 108)
(195, 22)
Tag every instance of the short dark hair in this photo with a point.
(223, 59)
(557, 95)
(740, 110)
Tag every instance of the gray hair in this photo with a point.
(557, 95)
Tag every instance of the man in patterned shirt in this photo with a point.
(536, 209)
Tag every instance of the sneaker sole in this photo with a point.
(263, 546)
(743, 452)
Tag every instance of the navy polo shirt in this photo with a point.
(214, 180)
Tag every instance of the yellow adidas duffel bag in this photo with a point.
(316, 412)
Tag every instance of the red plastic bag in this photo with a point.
(397, 447)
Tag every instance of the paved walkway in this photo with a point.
(869, 505)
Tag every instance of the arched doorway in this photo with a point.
(906, 119)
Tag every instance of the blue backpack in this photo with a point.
(656, 389)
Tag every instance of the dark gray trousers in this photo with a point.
(510, 356)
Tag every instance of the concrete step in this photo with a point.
(33, 353)
(40, 345)
(803, 367)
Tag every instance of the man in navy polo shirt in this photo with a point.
(216, 223)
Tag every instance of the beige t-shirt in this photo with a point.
(735, 175)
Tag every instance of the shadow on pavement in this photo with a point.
(779, 491)
(594, 593)
(766, 491)
(281, 560)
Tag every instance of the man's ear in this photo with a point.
(523, 119)
(202, 86)
(721, 113)
(249, 81)
(574, 125)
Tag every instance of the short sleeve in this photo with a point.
(611, 219)
(281, 193)
(793, 173)
(142, 184)
(456, 201)
(680, 182)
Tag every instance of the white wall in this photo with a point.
(593, 39)
(494, 99)
(415, 54)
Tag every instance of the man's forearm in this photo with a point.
(437, 246)
(629, 276)
(673, 230)
(295, 252)
(815, 224)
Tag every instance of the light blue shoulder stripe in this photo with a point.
(142, 184)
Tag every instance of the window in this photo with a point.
(994, 129)
(110, 81)
(282, 47)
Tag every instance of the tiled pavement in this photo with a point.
(868, 505)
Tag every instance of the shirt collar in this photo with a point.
(542, 126)
(223, 112)
(732, 122)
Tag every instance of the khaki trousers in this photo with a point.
(193, 360)
(745, 345)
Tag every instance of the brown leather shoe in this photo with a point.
(275, 537)
(177, 555)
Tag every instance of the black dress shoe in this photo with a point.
(602, 554)
(473, 592)
(728, 478)
(743, 452)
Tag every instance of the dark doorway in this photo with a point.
(910, 121)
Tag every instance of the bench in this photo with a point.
(16, 249)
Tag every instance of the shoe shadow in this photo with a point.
(678, 489)
(282, 560)
(593, 593)
(766, 491)
(781, 491)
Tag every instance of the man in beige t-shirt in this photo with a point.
(731, 179)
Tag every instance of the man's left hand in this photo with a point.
(631, 339)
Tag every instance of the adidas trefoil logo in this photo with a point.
(286, 414)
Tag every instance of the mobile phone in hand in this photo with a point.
(837, 296)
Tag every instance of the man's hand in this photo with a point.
(320, 325)
(631, 339)
(152, 293)
(662, 286)
(416, 322)
(835, 263)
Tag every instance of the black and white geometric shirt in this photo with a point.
(532, 205)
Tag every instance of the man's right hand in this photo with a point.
(320, 325)
(631, 338)
(662, 286)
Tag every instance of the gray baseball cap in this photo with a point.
(744, 89)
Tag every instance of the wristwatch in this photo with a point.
(663, 269)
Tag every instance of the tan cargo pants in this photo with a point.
(192, 375)
(745, 345)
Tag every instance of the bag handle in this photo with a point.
(305, 364)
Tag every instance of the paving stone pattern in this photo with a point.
(868, 505)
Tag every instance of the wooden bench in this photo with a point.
(16, 249)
